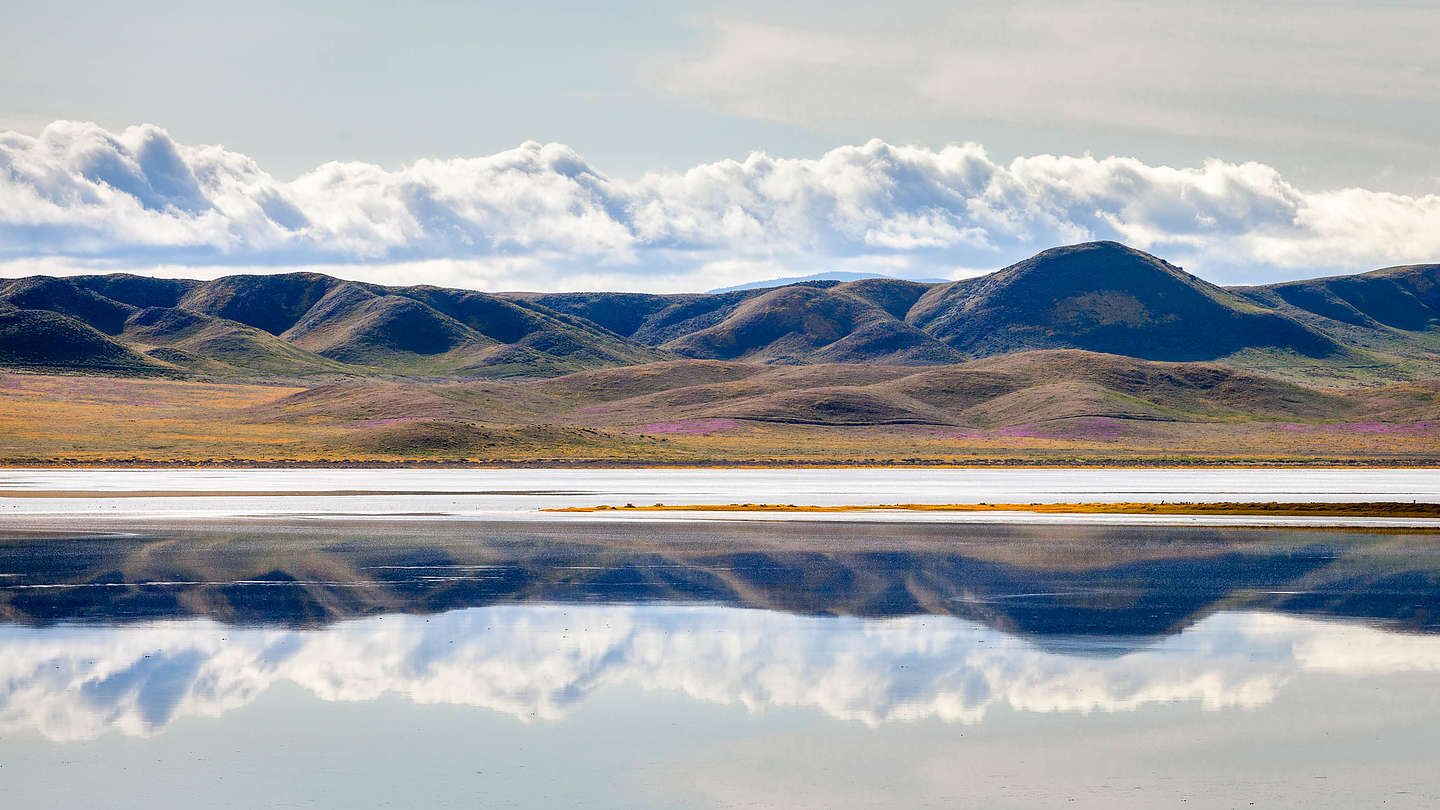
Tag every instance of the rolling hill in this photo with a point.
(1099, 297)
(1045, 406)
(1105, 297)
(293, 325)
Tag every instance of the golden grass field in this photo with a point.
(78, 420)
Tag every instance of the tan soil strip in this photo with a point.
(224, 493)
(1375, 509)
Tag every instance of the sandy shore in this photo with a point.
(1373, 509)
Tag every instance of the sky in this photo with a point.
(688, 145)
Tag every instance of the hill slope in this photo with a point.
(805, 324)
(40, 339)
(1105, 297)
(1391, 315)
(1099, 297)
(297, 325)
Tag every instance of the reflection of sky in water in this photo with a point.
(542, 662)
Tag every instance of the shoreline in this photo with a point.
(651, 464)
(1249, 508)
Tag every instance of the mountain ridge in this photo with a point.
(1099, 296)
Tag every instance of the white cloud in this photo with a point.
(77, 198)
(541, 662)
(1265, 72)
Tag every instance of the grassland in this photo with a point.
(1036, 408)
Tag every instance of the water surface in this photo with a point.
(274, 662)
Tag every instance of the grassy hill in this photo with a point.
(1100, 297)
(296, 325)
(1028, 388)
(1047, 406)
(1105, 297)
(45, 340)
(1388, 319)
(800, 324)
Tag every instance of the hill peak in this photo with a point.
(1104, 297)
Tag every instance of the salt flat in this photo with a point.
(519, 494)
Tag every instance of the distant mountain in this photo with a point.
(1391, 315)
(835, 276)
(1105, 297)
(1099, 297)
(293, 325)
(802, 324)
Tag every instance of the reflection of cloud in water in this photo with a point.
(538, 661)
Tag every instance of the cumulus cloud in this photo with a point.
(79, 198)
(540, 662)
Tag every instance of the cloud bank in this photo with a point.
(79, 198)
(542, 662)
(1286, 73)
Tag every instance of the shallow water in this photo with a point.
(145, 663)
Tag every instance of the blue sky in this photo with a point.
(1307, 131)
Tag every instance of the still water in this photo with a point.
(249, 663)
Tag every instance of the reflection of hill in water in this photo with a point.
(1045, 582)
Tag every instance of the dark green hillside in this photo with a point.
(1098, 297)
(810, 322)
(498, 319)
(688, 314)
(273, 303)
(353, 325)
(893, 295)
(1380, 305)
(1104, 297)
(807, 324)
(554, 342)
(211, 345)
(63, 297)
(1406, 298)
(40, 339)
(137, 291)
(621, 313)
(1389, 319)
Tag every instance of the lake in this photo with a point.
(168, 650)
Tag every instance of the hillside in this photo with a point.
(1391, 316)
(293, 326)
(801, 324)
(1105, 297)
(1099, 297)
(1034, 407)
